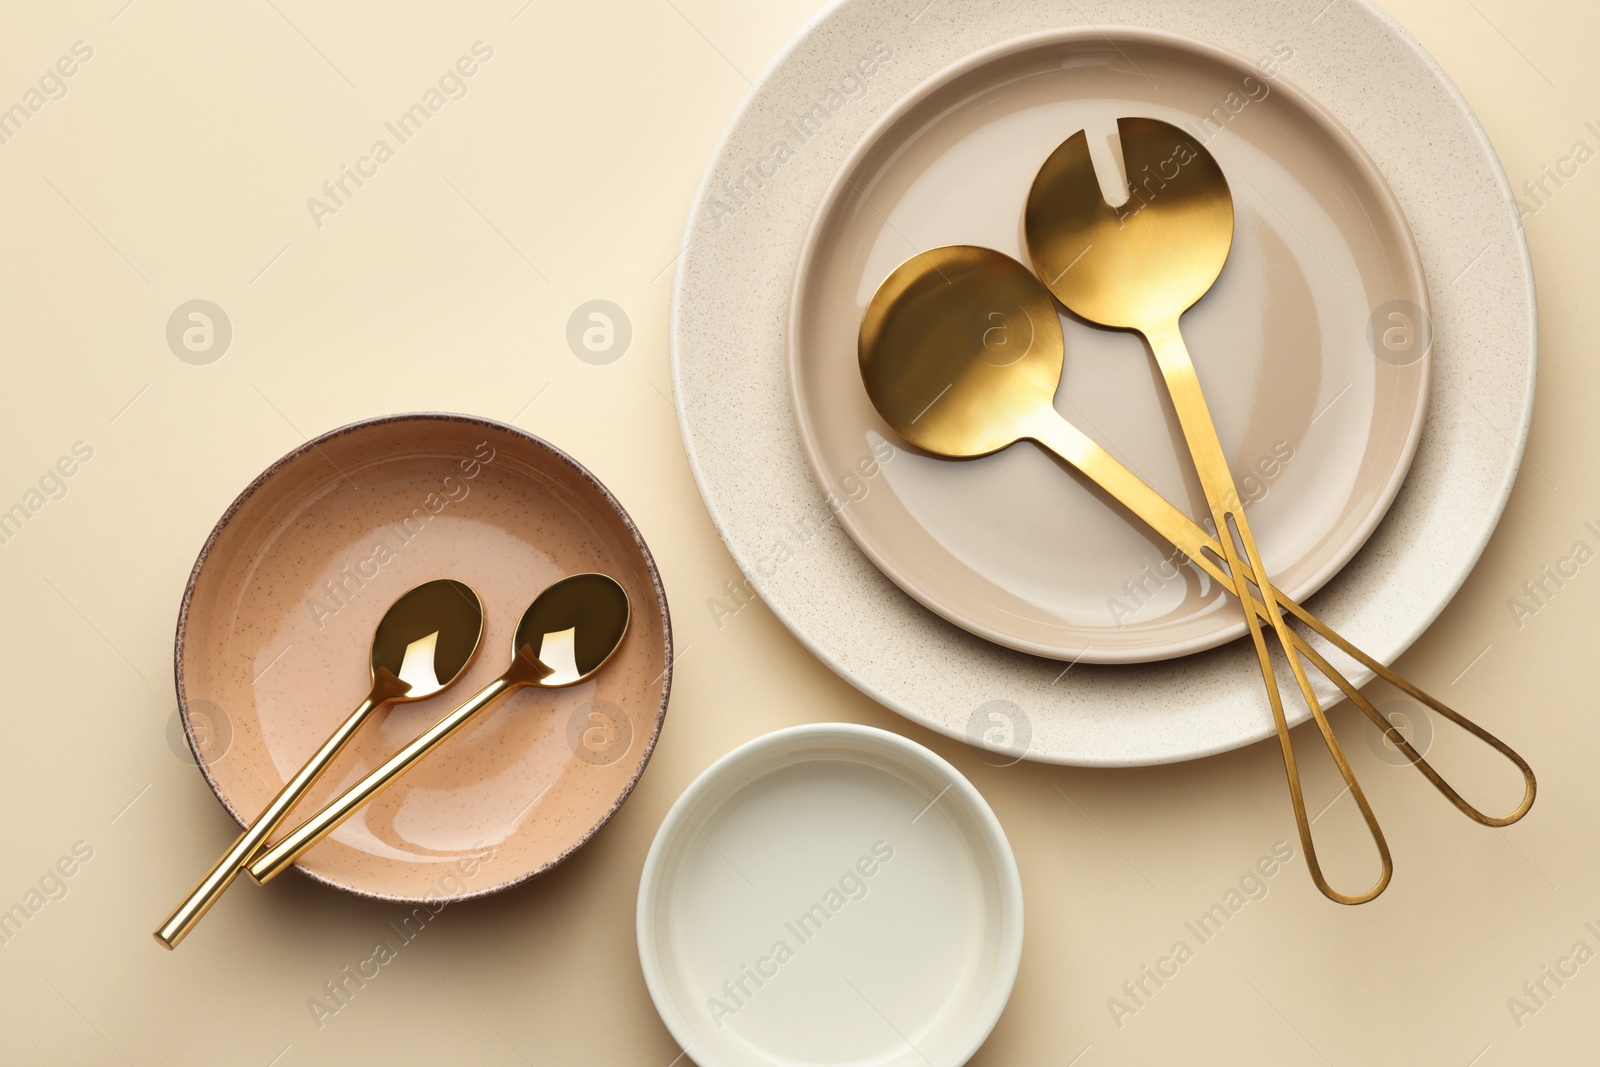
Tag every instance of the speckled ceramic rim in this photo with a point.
(729, 311)
(868, 746)
(463, 420)
(972, 612)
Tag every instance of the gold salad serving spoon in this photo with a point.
(423, 644)
(566, 635)
(947, 386)
(1140, 269)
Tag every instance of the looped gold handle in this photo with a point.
(1265, 610)
(1530, 785)
(1234, 534)
(1303, 648)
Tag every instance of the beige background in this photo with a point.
(177, 166)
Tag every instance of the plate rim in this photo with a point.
(1497, 487)
(313, 444)
(1329, 124)
(862, 741)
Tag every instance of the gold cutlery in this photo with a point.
(423, 644)
(961, 352)
(1139, 268)
(566, 635)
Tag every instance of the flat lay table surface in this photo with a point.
(232, 229)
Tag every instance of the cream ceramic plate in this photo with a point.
(1319, 432)
(760, 198)
(830, 895)
(277, 620)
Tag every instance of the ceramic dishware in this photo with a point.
(830, 894)
(734, 356)
(959, 160)
(298, 572)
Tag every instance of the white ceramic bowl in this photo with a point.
(830, 894)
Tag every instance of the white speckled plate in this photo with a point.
(731, 310)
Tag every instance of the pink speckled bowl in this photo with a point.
(278, 616)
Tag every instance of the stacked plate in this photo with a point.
(1368, 355)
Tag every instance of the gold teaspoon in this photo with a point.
(423, 644)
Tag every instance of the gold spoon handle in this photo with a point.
(285, 852)
(1072, 445)
(1233, 529)
(1530, 784)
(210, 888)
(1359, 699)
